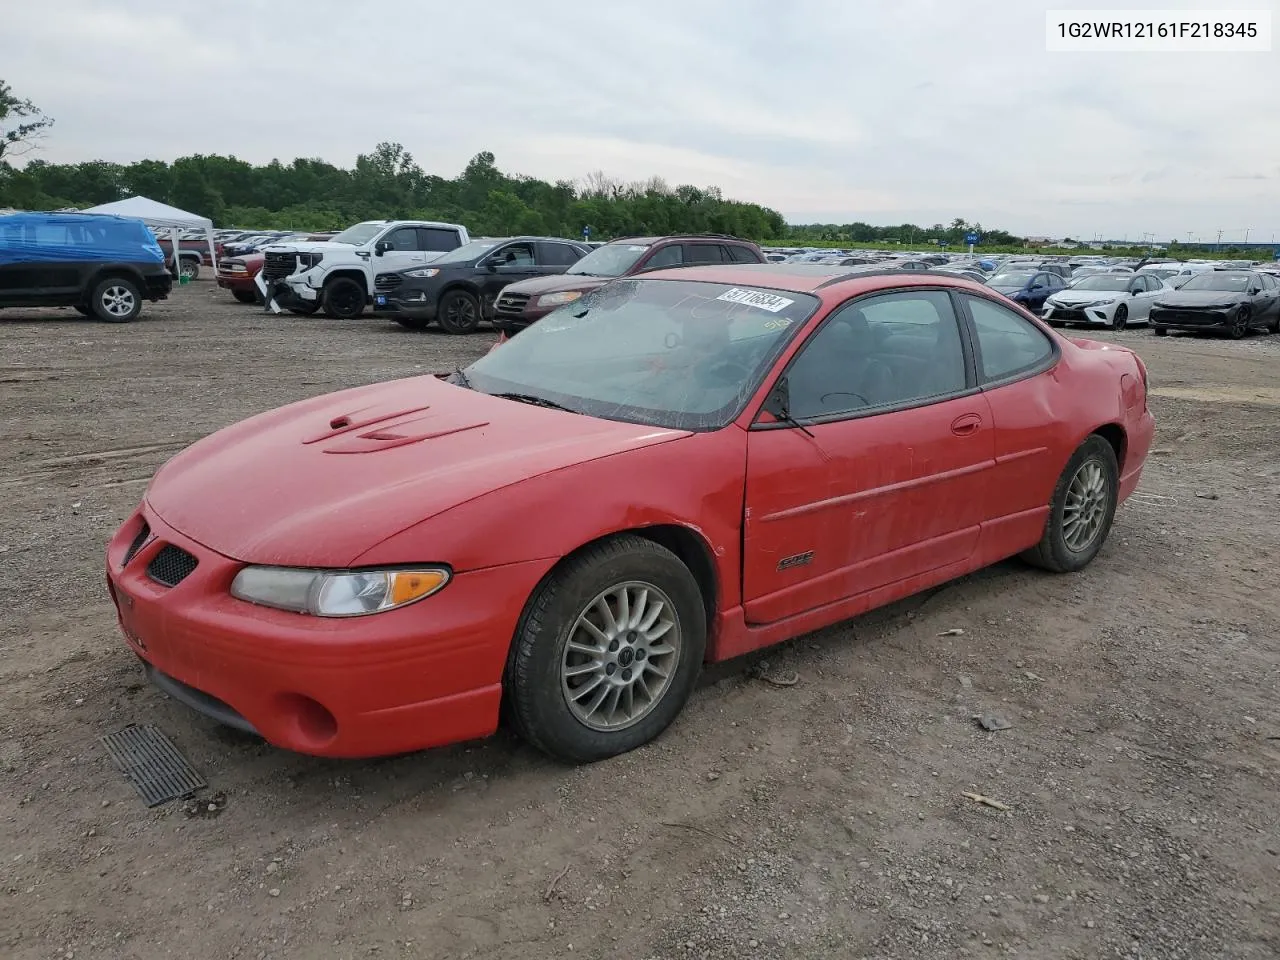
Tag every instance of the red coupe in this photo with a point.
(669, 471)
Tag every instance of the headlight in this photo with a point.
(309, 260)
(422, 273)
(236, 268)
(337, 593)
(557, 299)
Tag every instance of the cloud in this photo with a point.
(910, 110)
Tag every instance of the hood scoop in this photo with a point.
(358, 420)
(365, 431)
(392, 437)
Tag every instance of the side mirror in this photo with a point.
(491, 264)
(381, 247)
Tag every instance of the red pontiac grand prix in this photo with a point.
(672, 470)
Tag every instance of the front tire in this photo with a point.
(1080, 513)
(343, 299)
(459, 312)
(1121, 318)
(115, 300)
(607, 651)
(1240, 325)
(188, 267)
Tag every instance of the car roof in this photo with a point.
(813, 278)
(708, 237)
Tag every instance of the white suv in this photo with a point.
(337, 275)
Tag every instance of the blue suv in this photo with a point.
(103, 266)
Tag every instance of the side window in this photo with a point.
(405, 238)
(438, 239)
(557, 254)
(695, 253)
(516, 255)
(742, 254)
(1040, 280)
(669, 256)
(1007, 344)
(1268, 281)
(883, 351)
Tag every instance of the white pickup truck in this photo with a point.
(337, 275)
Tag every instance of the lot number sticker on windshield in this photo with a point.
(754, 298)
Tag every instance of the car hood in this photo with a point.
(320, 246)
(320, 482)
(1182, 299)
(1085, 296)
(557, 283)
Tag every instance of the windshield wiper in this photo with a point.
(535, 401)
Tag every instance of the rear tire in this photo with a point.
(343, 299)
(115, 300)
(646, 673)
(1080, 513)
(189, 267)
(245, 296)
(459, 312)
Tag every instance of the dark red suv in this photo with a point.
(520, 304)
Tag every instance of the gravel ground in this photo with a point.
(824, 819)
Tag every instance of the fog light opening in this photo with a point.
(311, 719)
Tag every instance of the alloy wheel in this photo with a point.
(118, 301)
(1085, 507)
(621, 655)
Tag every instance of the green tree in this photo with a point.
(22, 124)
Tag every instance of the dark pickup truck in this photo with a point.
(104, 266)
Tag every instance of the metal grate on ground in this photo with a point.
(153, 764)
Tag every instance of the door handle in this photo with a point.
(965, 425)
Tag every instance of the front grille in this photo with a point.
(512, 304)
(137, 543)
(171, 565)
(386, 282)
(1068, 314)
(277, 266)
(1193, 317)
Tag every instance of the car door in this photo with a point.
(555, 256)
(1270, 299)
(1143, 292)
(1038, 292)
(879, 473)
(401, 249)
(509, 263)
(1032, 442)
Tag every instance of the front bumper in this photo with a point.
(422, 676)
(1062, 314)
(159, 285)
(286, 292)
(1186, 319)
(238, 282)
(421, 305)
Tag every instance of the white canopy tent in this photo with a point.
(156, 214)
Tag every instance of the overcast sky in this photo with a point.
(828, 110)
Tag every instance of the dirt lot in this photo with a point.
(824, 819)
